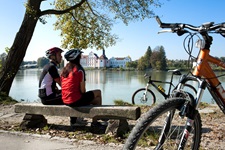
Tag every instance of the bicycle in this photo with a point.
(147, 96)
(176, 123)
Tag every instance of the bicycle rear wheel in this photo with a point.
(149, 127)
(143, 97)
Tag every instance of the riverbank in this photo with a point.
(213, 121)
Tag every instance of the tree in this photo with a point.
(83, 23)
(144, 61)
(132, 64)
(147, 57)
(42, 61)
(141, 64)
(162, 58)
(158, 58)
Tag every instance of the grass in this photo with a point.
(121, 103)
(6, 100)
(204, 105)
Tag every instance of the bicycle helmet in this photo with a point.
(72, 54)
(52, 51)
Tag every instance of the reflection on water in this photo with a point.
(25, 85)
(113, 84)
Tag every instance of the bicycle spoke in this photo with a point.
(158, 130)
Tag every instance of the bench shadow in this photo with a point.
(86, 128)
(206, 130)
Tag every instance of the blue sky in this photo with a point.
(134, 38)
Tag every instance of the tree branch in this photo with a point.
(84, 26)
(78, 21)
(91, 9)
(97, 15)
(59, 12)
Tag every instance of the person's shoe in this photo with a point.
(73, 126)
(81, 122)
(98, 125)
(73, 122)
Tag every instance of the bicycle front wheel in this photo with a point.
(154, 131)
(143, 97)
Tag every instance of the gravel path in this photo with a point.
(23, 141)
(213, 136)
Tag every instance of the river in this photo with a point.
(115, 85)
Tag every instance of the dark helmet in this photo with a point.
(52, 51)
(72, 54)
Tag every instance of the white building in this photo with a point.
(119, 62)
(93, 61)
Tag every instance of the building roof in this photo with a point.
(120, 58)
(96, 56)
(103, 57)
(84, 56)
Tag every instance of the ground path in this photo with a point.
(213, 121)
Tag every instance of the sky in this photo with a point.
(134, 38)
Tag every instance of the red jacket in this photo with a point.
(71, 86)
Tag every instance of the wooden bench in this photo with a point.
(34, 114)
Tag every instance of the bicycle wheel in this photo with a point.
(140, 98)
(149, 127)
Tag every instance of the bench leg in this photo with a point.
(33, 121)
(118, 127)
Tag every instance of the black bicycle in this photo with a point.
(145, 96)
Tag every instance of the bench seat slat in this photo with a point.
(91, 111)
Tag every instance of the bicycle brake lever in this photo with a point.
(164, 31)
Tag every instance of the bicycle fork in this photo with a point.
(145, 93)
(190, 112)
(187, 130)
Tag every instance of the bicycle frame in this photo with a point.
(209, 80)
(152, 82)
(204, 69)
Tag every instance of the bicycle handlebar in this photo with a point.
(180, 28)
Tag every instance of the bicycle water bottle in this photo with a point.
(161, 88)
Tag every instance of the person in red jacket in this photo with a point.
(73, 84)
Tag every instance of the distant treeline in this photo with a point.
(41, 62)
(157, 60)
(152, 59)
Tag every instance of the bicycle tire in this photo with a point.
(149, 123)
(138, 99)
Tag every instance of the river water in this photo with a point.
(115, 85)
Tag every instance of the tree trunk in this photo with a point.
(20, 44)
